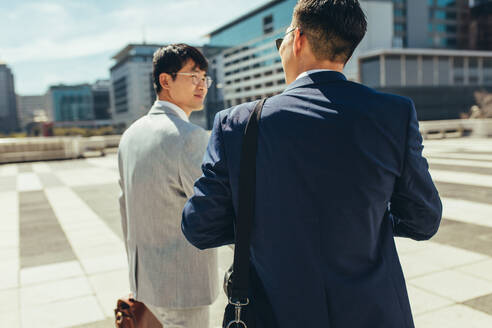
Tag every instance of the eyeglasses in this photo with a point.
(278, 42)
(207, 80)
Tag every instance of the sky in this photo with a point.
(48, 42)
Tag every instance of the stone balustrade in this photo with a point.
(51, 148)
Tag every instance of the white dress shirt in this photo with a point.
(175, 108)
(306, 73)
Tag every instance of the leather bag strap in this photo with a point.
(246, 206)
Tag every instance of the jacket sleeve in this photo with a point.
(122, 201)
(208, 215)
(191, 159)
(415, 206)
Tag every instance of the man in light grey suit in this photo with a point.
(159, 159)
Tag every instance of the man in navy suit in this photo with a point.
(340, 172)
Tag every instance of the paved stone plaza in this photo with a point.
(63, 262)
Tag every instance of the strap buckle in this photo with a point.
(237, 312)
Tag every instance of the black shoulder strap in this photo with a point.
(246, 206)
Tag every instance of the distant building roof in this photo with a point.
(65, 86)
(245, 16)
(126, 50)
(426, 52)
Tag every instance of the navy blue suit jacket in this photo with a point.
(340, 172)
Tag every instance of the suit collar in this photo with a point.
(165, 107)
(316, 78)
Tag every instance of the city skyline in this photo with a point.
(73, 42)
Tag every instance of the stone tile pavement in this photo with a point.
(64, 264)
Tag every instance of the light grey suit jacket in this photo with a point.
(159, 159)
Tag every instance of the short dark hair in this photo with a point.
(334, 28)
(170, 59)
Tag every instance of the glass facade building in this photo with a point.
(431, 23)
(249, 68)
(100, 98)
(71, 103)
(481, 25)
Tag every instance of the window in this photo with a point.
(399, 27)
(451, 42)
(443, 70)
(459, 72)
(427, 70)
(393, 70)
(399, 13)
(268, 24)
(473, 70)
(411, 70)
(487, 71)
(451, 28)
(446, 3)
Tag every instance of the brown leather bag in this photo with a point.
(130, 313)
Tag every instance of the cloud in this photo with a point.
(59, 31)
(53, 30)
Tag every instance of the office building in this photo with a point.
(441, 82)
(132, 85)
(31, 109)
(132, 88)
(82, 105)
(481, 25)
(100, 100)
(9, 121)
(250, 66)
(69, 103)
(431, 23)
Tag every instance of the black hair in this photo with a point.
(170, 59)
(334, 28)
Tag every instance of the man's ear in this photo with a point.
(164, 79)
(299, 42)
